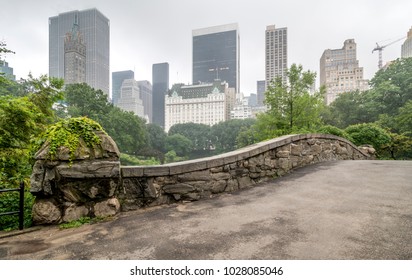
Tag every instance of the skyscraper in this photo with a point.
(74, 56)
(95, 28)
(160, 80)
(340, 71)
(130, 100)
(146, 94)
(216, 55)
(276, 49)
(117, 81)
(260, 89)
(407, 45)
(6, 70)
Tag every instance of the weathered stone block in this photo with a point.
(203, 175)
(282, 154)
(220, 176)
(180, 188)
(107, 208)
(74, 212)
(218, 186)
(46, 211)
(296, 150)
(244, 182)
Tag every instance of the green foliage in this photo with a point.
(224, 134)
(291, 106)
(129, 160)
(9, 202)
(368, 134)
(333, 130)
(198, 134)
(179, 144)
(126, 129)
(81, 221)
(171, 156)
(398, 148)
(67, 133)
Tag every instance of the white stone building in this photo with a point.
(208, 104)
(130, 98)
(340, 71)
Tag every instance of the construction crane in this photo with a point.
(380, 49)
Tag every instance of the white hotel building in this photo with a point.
(209, 104)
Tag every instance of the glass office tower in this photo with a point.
(95, 29)
(160, 87)
(117, 80)
(216, 55)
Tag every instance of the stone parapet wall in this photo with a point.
(197, 179)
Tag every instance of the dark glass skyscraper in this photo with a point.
(216, 55)
(160, 80)
(95, 28)
(117, 80)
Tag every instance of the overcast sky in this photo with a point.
(143, 32)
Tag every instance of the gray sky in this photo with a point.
(144, 32)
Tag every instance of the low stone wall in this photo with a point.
(94, 183)
(196, 179)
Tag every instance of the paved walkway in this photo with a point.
(335, 210)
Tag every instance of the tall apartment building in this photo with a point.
(340, 71)
(260, 89)
(276, 53)
(145, 89)
(216, 55)
(74, 56)
(130, 100)
(407, 45)
(95, 28)
(6, 70)
(207, 103)
(160, 80)
(117, 81)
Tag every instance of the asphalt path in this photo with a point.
(329, 211)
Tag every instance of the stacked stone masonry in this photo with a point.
(203, 178)
(95, 184)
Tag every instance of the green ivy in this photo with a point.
(67, 133)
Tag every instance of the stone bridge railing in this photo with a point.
(127, 188)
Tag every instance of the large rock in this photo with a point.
(46, 211)
(82, 182)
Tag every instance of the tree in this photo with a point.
(369, 134)
(291, 106)
(85, 101)
(127, 130)
(348, 109)
(199, 134)
(224, 134)
(392, 86)
(180, 144)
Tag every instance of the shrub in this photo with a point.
(368, 134)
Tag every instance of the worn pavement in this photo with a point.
(335, 210)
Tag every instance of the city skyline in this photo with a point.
(147, 32)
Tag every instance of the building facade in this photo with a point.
(160, 88)
(216, 55)
(276, 53)
(117, 81)
(74, 56)
(340, 71)
(407, 45)
(95, 28)
(130, 100)
(6, 70)
(208, 104)
(145, 89)
(260, 89)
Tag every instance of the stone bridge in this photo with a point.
(96, 185)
